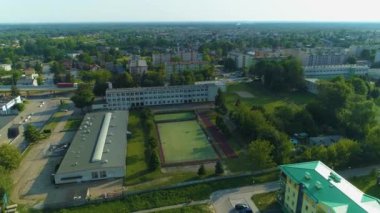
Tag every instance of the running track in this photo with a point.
(218, 136)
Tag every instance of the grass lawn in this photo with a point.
(135, 161)
(266, 202)
(367, 184)
(264, 97)
(73, 124)
(169, 197)
(53, 121)
(184, 141)
(138, 176)
(189, 209)
(174, 116)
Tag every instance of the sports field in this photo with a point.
(184, 141)
(174, 116)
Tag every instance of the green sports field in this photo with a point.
(174, 116)
(184, 141)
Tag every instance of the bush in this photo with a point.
(47, 131)
(31, 133)
(201, 170)
(20, 107)
(219, 168)
(154, 162)
(152, 142)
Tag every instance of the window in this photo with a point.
(94, 175)
(103, 174)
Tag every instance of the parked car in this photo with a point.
(243, 208)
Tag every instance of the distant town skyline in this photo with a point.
(73, 11)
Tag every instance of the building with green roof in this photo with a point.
(98, 150)
(312, 187)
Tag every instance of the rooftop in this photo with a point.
(100, 142)
(326, 187)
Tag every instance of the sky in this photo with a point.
(67, 11)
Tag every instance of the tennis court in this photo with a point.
(184, 141)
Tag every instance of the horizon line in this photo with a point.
(202, 21)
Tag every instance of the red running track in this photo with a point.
(218, 136)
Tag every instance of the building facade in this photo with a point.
(312, 187)
(6, 67)
(126, 98)
(335, 70)
(138, 67)
(98, 150)
(6, 105)
(162, 58)
(179, 67)
(242, 60)
(323, 56)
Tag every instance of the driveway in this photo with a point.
(225, 200)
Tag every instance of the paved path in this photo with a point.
(194, 203)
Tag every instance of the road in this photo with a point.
(39, 116)
(225, 200)
(32, 179)
(7, 88)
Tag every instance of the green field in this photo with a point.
(264, 97)
(174, 116)
(184, 141)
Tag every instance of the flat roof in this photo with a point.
(109, 147)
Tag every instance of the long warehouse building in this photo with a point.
(126, 98)
(98, 150)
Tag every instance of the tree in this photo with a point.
(152, 142)
(10, 157)
(372, 143)
(220, 101)
(40, 80)
(201, 170)
(237, 102)
(38, 68)
(83, 97)
(359, 86)
(344, 152)
(14, 91)
(20, 107)
(154, 162)
(219, 168)
(31, 133)
(5, 182)
(261, 153)
(357, 118)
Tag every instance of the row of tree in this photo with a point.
(151, 143)
(283, 75)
